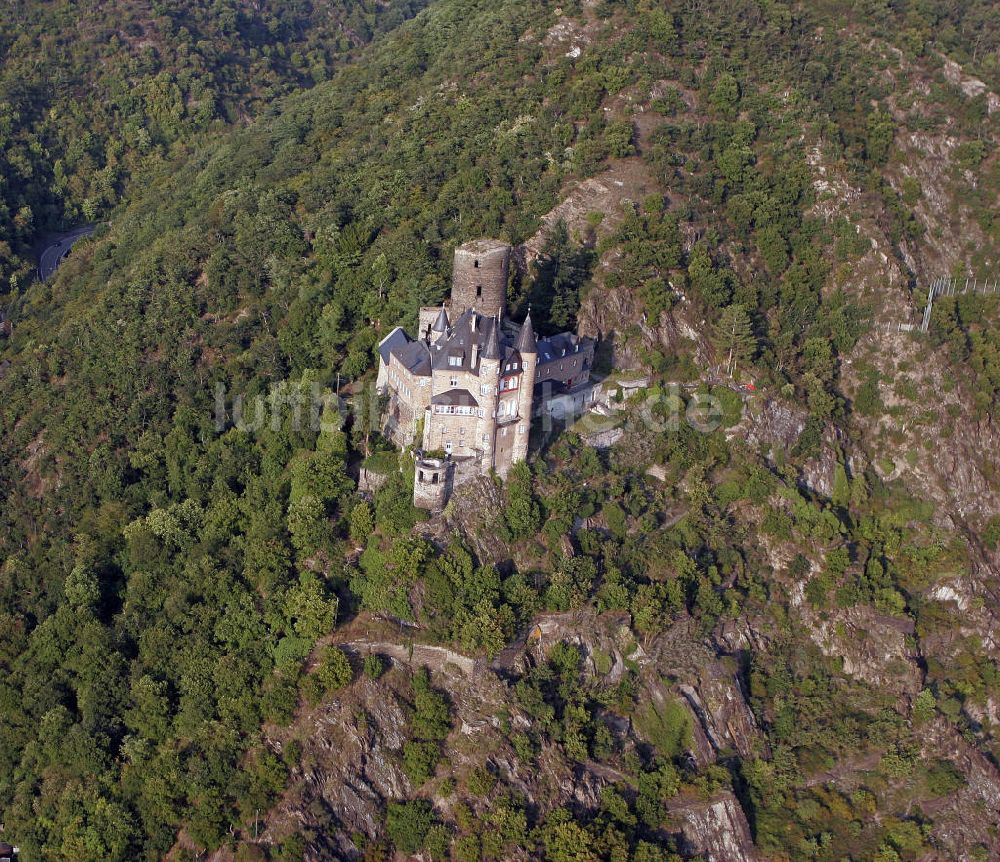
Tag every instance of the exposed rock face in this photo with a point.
(613, 316)
(604, 439)
(970, 87)
(433, 657)
(717, 829)
(474, 511)
(352, 748)
(625, 181)
(960, 466)
(723, 713)
(711, 687)
(915, 382)
(974, 600)
(958, 830)
(349, 767)
(954, 472)
(770, 426)
(819, 472)
(873, 647)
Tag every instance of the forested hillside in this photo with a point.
(92, 93)
(771, 639)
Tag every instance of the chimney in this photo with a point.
(475, 355)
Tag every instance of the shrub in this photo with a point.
(334, 670)
(430, 724)
(480, 781)
(420, 759)
(991, 535)
(943, 778)
(280, 698)
(408, 824)
(374, 666)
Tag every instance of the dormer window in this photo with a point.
(455, 361)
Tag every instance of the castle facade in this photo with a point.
(470, 382)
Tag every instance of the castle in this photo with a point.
(471, 381)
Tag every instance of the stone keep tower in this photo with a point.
(479, 278)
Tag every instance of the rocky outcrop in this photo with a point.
(970, 87)
(435, 658)
(963, 820)
(819, 472)
(474, 512)
(714, 829)
(723, 713)
(770, 426)
(349, 766)
(605, 438)
(872, 647)
(710, 684)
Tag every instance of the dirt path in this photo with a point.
(435, 658)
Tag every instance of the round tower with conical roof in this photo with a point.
(527, 347)
(489, 380)
(440, 326)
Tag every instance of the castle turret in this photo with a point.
(479, 278)
(527, 347)
(489, 380)
(491, 349)
(440, 326)
(432, 482)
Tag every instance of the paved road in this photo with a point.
(59, 246)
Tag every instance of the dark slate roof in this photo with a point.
(511, 355)
(491, 350)
(526, 338)
(412, 355)
(456, 398)
(396, 338)
(564, 344)
(441, 324)
(473, 330)
(470, 330)
(415, 357)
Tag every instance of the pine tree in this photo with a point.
(735, 337)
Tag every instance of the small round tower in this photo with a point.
(431, 483)
(479, 278)
(527, 347)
